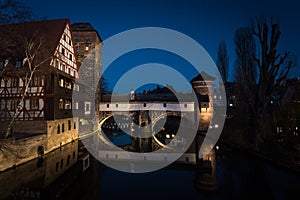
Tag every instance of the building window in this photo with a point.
(34, 104)
(68, 160)
(145, 104)
(165, 105)
(61, 104)
(117, 105)
(62, 51)
(2, 104)
(69, 124)
(57, 166)
(87, 37)
(1, 64)
(87, 108)
(63, 128)
(185, 105)
(107, 105)
(61, 82)
(76, 37)
(87, 48)
(19, 64)
(63, 67)
(14, 104)
(68, 85)
(15, 82)
(68, 104)
(70, 57)
(65, 37)
(61, 163)
(58, 129)
(70, 42)
(76, 48)
(74, 125)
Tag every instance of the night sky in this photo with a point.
(206, 21)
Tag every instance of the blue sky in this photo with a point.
(206, 21)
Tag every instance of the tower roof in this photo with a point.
(203, 76)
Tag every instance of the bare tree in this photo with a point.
(246, 72)
(260, 74)
(33, 47)
(222, 61)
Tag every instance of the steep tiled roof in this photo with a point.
(13, 37)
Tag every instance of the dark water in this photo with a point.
(238, 175)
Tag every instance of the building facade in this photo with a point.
(88, 46)
(38, 68)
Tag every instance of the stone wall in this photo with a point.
(60, 132)
(15, 152)
(25, 127)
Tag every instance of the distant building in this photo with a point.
(286, 116)
(88, 46)
(203, 87)
(46, 106)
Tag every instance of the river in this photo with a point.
(238, 175)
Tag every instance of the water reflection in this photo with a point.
(33, 179)
(60, 176)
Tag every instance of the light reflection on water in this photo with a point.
(239, 176)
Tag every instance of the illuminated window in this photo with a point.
(87, 107)
(86, 48)
(68, 104)
(61, 82)
(61, 104)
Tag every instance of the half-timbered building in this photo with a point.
(38, 68)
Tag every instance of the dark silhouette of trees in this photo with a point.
(260, 74)
(12, 11)
(222, 61)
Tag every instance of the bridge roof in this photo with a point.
(155, 98)
(158, 97)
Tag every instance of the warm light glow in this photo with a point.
(173, 135)
(167, 136)
(231, 105)
(217, 147)
(217, 126)
(296, 128)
